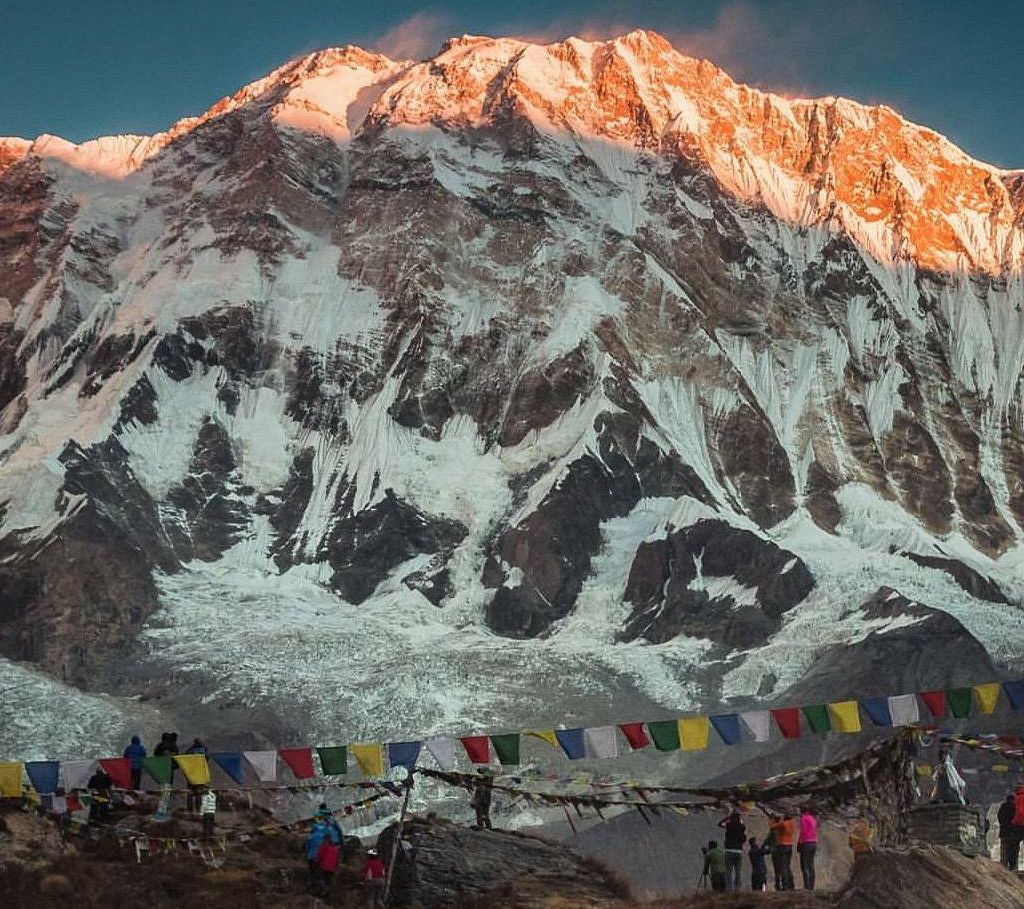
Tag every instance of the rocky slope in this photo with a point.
(577, 357)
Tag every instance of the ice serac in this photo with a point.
(583, 344)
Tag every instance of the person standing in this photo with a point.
(861, 839)
(481, 801)
(135, 753)
(758, 866)
(784, 829)
(714, 866)
(374, 877)
(1009, 839)
(208, 809)
(735, 837)
(807, 846)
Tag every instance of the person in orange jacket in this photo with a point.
(784, 828)
(861, 839)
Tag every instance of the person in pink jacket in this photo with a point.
(807, 845)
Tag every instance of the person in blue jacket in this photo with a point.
(135, 752)
(324, 828)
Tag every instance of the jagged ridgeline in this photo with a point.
(530, 380)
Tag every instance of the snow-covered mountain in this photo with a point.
(523, 384)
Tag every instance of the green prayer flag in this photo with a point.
(959, 701)
(158, 767)
(334, 760)
(818, 718)
(665, 735)
(506, 747)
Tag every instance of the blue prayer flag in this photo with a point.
(878, 710)
(1015, 692)
(728, 727)
(45, 775)
(230, 762)
(572, 744)
(404, 754)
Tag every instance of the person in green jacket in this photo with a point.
(714, 865)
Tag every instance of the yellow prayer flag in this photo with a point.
(988, 696)
(10, 781)
(370, 758)
(923, 769)
(693, 733)
(545, 735)
(845, 716)
(195, 768)
(1000, 768)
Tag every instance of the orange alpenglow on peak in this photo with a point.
(900, 190)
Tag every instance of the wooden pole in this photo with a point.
(398, 840)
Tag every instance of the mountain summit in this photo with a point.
(397, 378)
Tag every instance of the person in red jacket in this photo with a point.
(374, 875)
(1018, 807)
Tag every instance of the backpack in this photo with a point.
(327, 856)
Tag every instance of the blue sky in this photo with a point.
(80, 69)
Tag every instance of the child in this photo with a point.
(374, 874)
(758, 865)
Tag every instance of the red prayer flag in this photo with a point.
(478, 748)
(788, 721)
(935, 701)
(636, 735)
(300, 760)
(119, 770)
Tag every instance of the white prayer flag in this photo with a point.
(904, 709)
(264, 764)
(442, 749)
(601, 742)
(759, 724)
(76, 774)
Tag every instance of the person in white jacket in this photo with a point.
(208, 809)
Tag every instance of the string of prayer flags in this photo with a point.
(442, 750)
(959, 701)
(1015, 694)
(299, 761)
(404, 754)
(759, 724)
(506, 747)
(119, 770)
(788, 721)
(693, 733)
(10, 780)
(817, 718)
(665, 735)
(601, 742)
(572, 744)
(546, 735)
(935, 701)
(904, 710)
(370, 758)
(635, 735)
(728, 728)
(988, 697)
(263, 763)
(333, 760)
(845, 716)
(195, 768)
(878, 711)
(230, 762)
(44, 776)
(478, 748)
(159, 768)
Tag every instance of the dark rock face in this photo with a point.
(446, 866)
(664, 605)
(364, 548)
(935, 651)
(975, 583)
(211, 512)
(286, 507)
(68, 602)
(553, 547)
